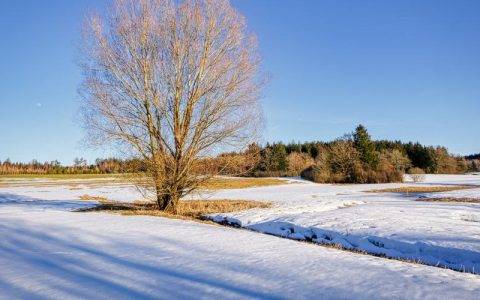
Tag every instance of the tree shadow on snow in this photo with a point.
(65, 263)
(37, 203)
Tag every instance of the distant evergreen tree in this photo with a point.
(365, 146)
(473, 156)
(314, 151)
(279, 158)
(421, 157)
(475, 166)
(293, 147)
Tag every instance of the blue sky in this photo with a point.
(408, 70)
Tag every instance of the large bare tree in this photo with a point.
(173, 81)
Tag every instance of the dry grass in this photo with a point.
(187, 209)
(240, 183)
(449, 199)
(87, 197)
(423, 189)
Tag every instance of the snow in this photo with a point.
(393, 225)
(447, 179)
(473, 193)
(56, 254)
(47, 251)
(65, 190)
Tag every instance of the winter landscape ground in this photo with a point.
(49, 251)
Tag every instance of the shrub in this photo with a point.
(388, 172)
(445, 163)
(416, 174)
(462, 165)
(297, 162)
(343, 159)
(396, 158)
(317, 174)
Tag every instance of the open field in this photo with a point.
(59, 254)
(221, 183)
(48, 250)
(387, 224)
(75, 181)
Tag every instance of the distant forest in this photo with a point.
(80, 166)
(473, 156)
(354, 157)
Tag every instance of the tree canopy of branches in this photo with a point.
(172, 82)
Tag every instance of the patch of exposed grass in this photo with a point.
(187, 209)
(87, 197)
(219, 183)
(450, 199)
(423, 189)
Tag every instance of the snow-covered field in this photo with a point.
(47, 251)
(387, 224)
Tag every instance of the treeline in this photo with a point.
(473, 157)
(80, 166)
(354, 158)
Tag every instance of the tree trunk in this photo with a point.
(167, 202)
(172, 204)
(161, 200)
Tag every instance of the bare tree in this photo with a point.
(172, 81)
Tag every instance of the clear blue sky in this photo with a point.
(407, 69)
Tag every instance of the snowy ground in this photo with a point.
(46, 251)
(394, 225)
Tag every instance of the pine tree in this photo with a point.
(279, 158)
(365, 147)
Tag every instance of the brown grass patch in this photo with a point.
(187, 209)
(87, 197)
(450, 199)
(423, 189)
(240, 183)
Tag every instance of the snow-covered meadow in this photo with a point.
(48, 251)
(395, 225)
